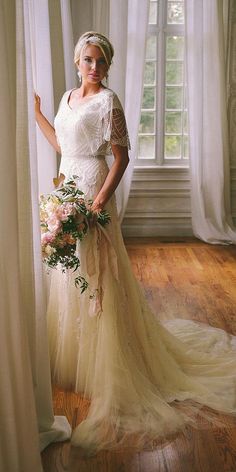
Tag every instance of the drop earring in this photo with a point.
(106, 80)
(79, 76)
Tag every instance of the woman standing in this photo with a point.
(106, 343)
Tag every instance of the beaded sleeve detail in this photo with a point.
(119, 132)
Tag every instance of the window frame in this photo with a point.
(161, 30)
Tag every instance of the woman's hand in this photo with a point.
(96, 207)
(37, 104)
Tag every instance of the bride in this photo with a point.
(144, 380)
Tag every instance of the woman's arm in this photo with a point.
(113, 177)
(46, 128)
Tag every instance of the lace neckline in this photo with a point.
(85, 100)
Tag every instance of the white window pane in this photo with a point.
(186, 147)
(175, 13)
(185, 122)
(173, 122)
(151, 47)
(146, 147)
(174, 73)
(172, 147)
(150, 73)
(148, 98)
(175, 47)
(147, 122)
(174, 97)
(152, 13)
(185, 99)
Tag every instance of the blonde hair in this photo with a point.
(96, 39)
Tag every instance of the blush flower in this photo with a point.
(54, 224)
(47, 238)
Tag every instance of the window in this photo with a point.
(163, 134)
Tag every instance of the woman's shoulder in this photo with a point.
(110, 92)
(112, 95)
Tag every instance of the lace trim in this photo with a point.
(119, 132)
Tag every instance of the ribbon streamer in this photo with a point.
(100, 257)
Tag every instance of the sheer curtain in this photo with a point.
(68, 45)
(27, 420)
(19, 448)
(128, 29)
(33, 72)
(208, 130)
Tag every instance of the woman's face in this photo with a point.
(92, 64)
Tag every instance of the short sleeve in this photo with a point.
(119, 131)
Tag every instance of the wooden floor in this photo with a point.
(189, 279)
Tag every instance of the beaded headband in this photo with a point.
(95, 40)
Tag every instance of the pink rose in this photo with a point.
(54, 224)
(65, 210)
(47, 238)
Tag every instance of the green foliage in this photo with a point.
(148, 97)
(174, 97)
(146, 123)
(175, 13)
(81, 283)
(172, 146)
(150, 73)
(174, 73)
(175, 47)
(151, 47)
(173, 122)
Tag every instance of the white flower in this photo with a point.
(49, 250)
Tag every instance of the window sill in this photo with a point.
(158, 167)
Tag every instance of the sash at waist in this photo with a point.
(81, 156)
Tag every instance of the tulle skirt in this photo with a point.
(144, 379)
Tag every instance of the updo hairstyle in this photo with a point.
(95, 39)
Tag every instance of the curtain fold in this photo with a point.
(27, 421)
(41, 65)
(19, 447)
(101, 10)
(208, 128)
(68, 45)
(50, 428)
(128, 31)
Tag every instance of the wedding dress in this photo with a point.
(106, 343)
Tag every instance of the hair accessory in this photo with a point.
(94, 39)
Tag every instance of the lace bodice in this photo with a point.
(91, 128)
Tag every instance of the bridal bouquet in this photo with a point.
(65, 219)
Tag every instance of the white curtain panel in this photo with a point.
(68, 44)
(50, 428)
(19, 450)
(208, 129)
(101, 10)
(128, 30)
(27, 420)
(40, 53)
